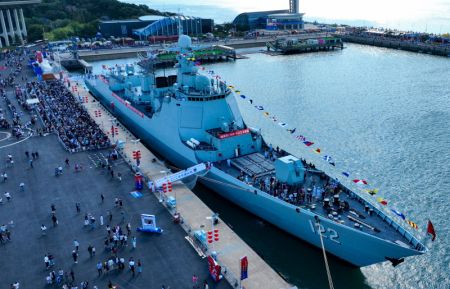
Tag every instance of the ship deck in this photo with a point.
(345, 207)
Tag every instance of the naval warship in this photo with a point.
(191, 117)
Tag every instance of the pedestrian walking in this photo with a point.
(128, 229)
(194, 281)
(101, 220)
(133, 241)
(110, 216)
(119, 177)
(205, 285)
(122, 213)
(33, 156)
(102, 197)
(46, 262)
(36, 154)
(72, 275)
(5, 177)
(90, 250)
(43, 230)
(77, 205)
(112, 174)
(93, 251)
(31, 163)
(53, 208)
(131, 264)
(54, 220)
(27, 154)
(67, 162)
(139, 266)
(99, 268)
(22, 186)
(75, 256)
(76, 245)
(8, 196)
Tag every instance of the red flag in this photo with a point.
(431, 231)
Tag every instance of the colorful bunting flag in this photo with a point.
(372, 191)
(346, 174)
(300, 137)
(398, 214)
(329, 160)
(259, 107)
(230, 86)
(317, 151)
(251, 101)
(291, 130)
(360, 182)
(243, 96)
(308, 143)
(237, 91)
(412, 224)
(282, 124)
(382, 201)
(266, 113)
(431, 231)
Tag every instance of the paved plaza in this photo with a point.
(167, 259)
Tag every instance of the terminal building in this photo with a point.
(271, 20)
(156, 26)
(13, 29)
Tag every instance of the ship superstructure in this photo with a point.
(190, 118)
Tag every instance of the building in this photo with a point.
(254, 20)
(272, 20)
(13, 29)
(285, 21)
(124, 28)
(168, 26)
(152, 25)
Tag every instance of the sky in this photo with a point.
(416, 15)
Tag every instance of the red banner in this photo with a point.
(233, 133)
(244, 268)
(214, 269)
(132, 108)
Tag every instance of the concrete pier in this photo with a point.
(230, 247)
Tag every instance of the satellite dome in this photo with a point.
(184, 41)
(202, 82)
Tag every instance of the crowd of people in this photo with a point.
(61, 112)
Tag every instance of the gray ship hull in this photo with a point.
(161, 133)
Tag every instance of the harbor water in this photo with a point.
(384, 116)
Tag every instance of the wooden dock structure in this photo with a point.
(230, 248)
